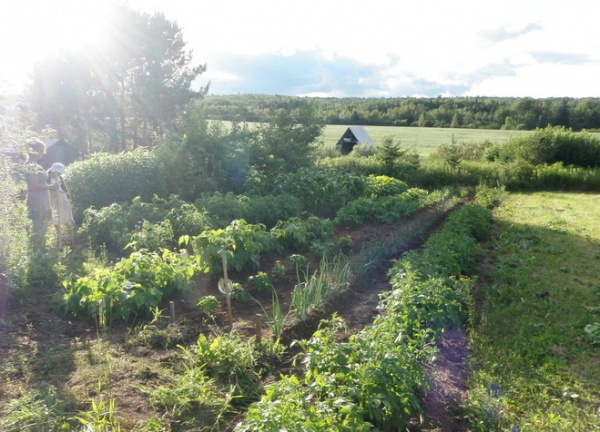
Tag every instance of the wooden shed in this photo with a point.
(58, 150)
(354, 135)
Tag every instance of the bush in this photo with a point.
(223, 208)
(298, 233)
(112, 227)
(551, 145)
(242, 242)
(384, 209)
(320, 191)
(136, 285)
(105, 179)
(379, 186)
(13, 223)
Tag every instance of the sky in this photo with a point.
(345, 48)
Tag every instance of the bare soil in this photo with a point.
(41, 347)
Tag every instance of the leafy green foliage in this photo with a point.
(289, 405)
(298, 233)
(380, 186)
(321, 192)
(268, 209)
(243, 243)
(152, 236)
(453, 251)
(386, 208)
(551, 145)
(260, 282)
(285, 144)
(12, 214)
(208, 305)
(104, 179)
(154, 224)
(135, 285)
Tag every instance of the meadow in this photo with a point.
(424, 141)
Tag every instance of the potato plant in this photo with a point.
(243, 244)
(134, 286)
(383, 209)
(372, 379)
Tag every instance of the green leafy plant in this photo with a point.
(244, 243)
(592, 331)
(278, 271)
(238, 293)
(260, 282)
(298, 233)
(387, 208)
(135, 285)
(208, 305)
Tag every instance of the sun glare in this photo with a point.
(32, 29)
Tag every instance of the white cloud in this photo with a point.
(383, 47)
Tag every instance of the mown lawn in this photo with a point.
(534, 366)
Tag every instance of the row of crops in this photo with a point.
(138, 283)
(370, 379)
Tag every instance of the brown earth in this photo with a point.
(40, 347)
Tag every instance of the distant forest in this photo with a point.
(459, 112)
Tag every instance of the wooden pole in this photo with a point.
(258, 324)
(172, 311)
(227, 287)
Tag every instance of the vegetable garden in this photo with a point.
(314, 300)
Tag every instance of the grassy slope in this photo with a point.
(533, 365)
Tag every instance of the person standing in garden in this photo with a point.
(60, 203)
(38, 195)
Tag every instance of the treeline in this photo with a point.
(459, 112)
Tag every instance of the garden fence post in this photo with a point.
(227, 286)
(258, 324)
(172, 311)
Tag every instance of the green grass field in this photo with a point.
(424, 140)
(534, 364)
